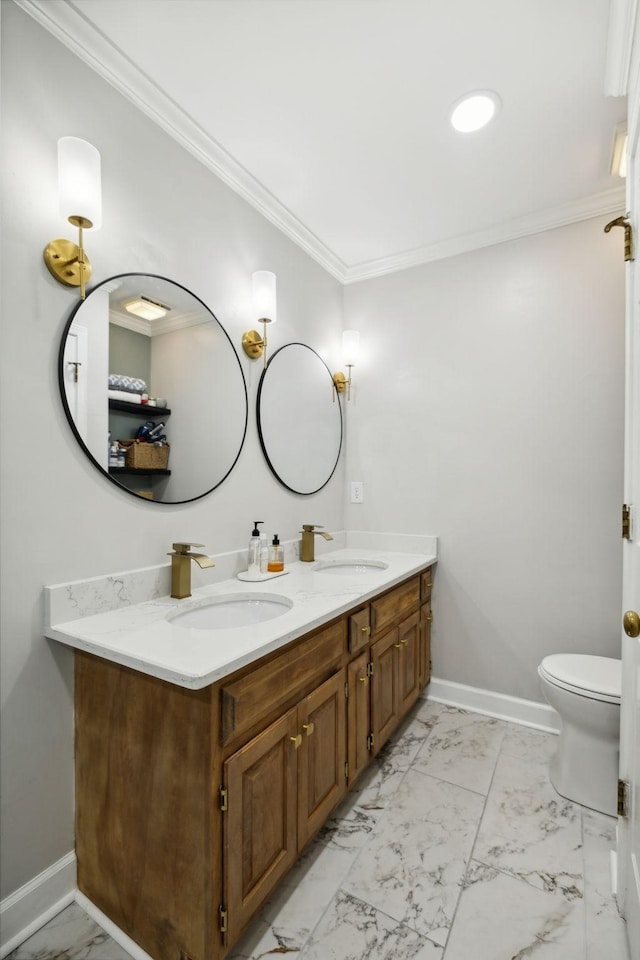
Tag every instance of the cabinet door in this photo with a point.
(260, 822)
(425, 644)
(322, 755)
(408, 663)
(358, 729)
(384, 688)
(359, 629)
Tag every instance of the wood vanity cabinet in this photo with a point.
(280, 789)
(192, 805)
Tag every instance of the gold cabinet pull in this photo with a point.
(429, 584)
(297, 740)
(402, 643)
(430, 618)
(309, 727)
(366, 629)
(363, 679)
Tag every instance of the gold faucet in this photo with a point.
(308, 543)
(181, 568)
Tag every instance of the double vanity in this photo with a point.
(215, 735)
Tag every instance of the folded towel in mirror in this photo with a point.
(123, 395)
(118, 381)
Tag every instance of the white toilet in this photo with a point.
(585, 691)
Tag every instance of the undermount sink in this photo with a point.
(348, 567)
(227, 612)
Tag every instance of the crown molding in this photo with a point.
(156, 328)
(65, 22)
(608, 202)
(622, 21)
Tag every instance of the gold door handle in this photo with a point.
(631, 623)
(309, 727)
(297, 740)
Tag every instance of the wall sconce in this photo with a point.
(350, 350)
(264, 304)
(80, 198)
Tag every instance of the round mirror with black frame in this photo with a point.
(299, 419)
(153, 388)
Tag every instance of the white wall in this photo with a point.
(164, 213)
(488, 409)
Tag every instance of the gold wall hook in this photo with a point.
(623, 221)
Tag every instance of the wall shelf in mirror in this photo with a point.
(186, 356)
(139, 471)
(139, 409)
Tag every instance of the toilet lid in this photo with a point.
(599, 676)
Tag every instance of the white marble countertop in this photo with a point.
(143, 636)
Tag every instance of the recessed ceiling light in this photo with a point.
(474, 110)
(146, 308)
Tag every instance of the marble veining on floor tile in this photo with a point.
(354, 930)
(417, 864)
(72, 935)
(462, 749)
(530, 922)
(605, 929)
(413, 864)
(531, 832)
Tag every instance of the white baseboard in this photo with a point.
(528, 713)
(109, 927)
(34, 904)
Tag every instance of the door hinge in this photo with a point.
(628, 234)
(370, 742)
(346, 691)
(222, 919)
(346, 770)
(223, 799)
(370, 668)
(623, 798)
(626, 521)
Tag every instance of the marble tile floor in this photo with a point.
(454, 846)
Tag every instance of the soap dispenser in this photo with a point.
(253, 566)
(276, 556)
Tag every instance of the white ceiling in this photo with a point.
(331, 116)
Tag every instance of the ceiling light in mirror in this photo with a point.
(618, 166)
(146, 308)
(474, 111)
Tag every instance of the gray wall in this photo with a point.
(488, 409)
(166, 214)
(129, 353)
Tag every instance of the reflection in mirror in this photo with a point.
(299, 419)
(154, 391)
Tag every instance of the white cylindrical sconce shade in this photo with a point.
(350, 347)
(264, 295)
(79, 181)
